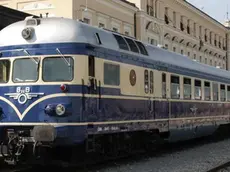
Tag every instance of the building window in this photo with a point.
(175, 87)
(166, 46)
(127, 33)
(200, 32)
(174, 49)
(215, 63)
(181, 24)
(211, 62)
(188, 54)
(182, 52)
(210, 37)
(188, 27)
(200, 59)
(194, 25)
(86, 20)
(111, 74)
(194, 56)
(166, 16)
(150, 10)
(115, 29)
(205, 36)
(205, 60)
(152, 41)
(101, 25)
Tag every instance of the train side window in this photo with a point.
(132, 45)
(111, 74)
(215, 91)
(91, 66)
(121, 42)
(228, 93)
(4, 71)
(198, 89)
(163, 85)
(187, 88)
(222, 92)
(151, 83)
(207, 90)
(175, 87)
(142, 48)
(146, 77)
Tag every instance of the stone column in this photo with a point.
(161, 10)
(178, 20)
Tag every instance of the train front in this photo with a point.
(40, 96)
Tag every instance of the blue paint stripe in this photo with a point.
(86, 49)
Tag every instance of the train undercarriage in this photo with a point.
(18, 147)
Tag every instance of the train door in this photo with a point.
(93, 91)
(149, 91)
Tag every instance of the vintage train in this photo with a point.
(66, 84)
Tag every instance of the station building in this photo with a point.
(175, 24)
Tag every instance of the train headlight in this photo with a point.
(60, 110)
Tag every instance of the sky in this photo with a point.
(215, 8)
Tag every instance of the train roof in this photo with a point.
(62, 30)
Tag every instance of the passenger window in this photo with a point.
(197, 89)
(142, 48)
(51, 69)
(187, 88)
(111, 74)
(175, 87)
(163, 85)
(215, 91)
(146, 77)
(151, 82)
(121, 42)
(207, 90)
(132, 45)
(222, 92)
(228, 93)
(4, 71)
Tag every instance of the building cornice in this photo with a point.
(196, 10)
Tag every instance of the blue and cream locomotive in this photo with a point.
(64, 83)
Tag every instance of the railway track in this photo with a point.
(225, 167)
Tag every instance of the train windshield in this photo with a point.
(4, 71)
(58, 69)
(25, 70)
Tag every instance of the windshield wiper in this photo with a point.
(32, 58)
(63, 57)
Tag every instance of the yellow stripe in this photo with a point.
(102, 123)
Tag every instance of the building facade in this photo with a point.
(175, 24)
